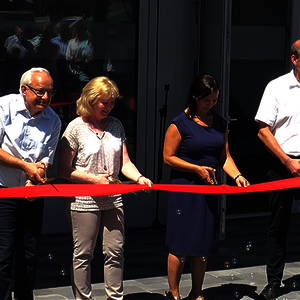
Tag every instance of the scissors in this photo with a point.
(115, 180)
(45, 171)
(215, 182)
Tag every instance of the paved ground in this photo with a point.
(237, 272)
(244, 283)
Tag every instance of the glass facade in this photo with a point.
(76, 41)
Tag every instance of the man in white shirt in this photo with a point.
(29, 132)
(279, 129)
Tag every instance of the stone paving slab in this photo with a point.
(236, 272)
(230, 284)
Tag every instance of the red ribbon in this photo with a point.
(72, 190)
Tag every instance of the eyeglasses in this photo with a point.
(40, 93)
(213, 102)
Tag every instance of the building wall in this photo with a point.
(167, 58)
(177, 40)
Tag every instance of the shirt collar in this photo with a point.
(21, 107)
(293, 80)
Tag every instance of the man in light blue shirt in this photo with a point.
(62, 39)
(29, 132)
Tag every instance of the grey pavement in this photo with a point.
(244, 283)
(236, 272)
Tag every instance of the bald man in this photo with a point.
(278, 117)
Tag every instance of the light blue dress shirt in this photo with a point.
(31, 139)
(62, 45)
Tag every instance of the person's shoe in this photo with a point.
(169, 296)
(192, 297)
(271, 291)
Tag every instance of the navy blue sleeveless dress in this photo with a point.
(194, 219)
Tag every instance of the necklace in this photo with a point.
(199, 118)
(102, 152)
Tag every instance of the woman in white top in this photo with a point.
(93, 149)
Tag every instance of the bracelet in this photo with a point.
(139, 178)
(237, 176)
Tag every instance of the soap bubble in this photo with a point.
(234, 261)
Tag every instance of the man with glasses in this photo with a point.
(279, 119)
(29, 132)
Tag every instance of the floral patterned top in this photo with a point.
(96, 155)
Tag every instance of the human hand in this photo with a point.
(102, 178)
(293, 166)
(36, 172)
(29, 183)
(143, 180)
(242, 181)
(206, 174)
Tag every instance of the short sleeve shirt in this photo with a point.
(280, 108)
(96, 155)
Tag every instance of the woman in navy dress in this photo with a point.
(196, 148)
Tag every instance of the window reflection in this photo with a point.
(76, 41)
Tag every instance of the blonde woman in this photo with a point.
(93, 148)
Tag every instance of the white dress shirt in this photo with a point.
(280, 108)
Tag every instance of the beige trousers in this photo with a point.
(86, 226)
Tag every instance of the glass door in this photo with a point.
(260, 42)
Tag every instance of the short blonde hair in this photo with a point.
(99, 87)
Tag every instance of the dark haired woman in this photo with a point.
(195, 148)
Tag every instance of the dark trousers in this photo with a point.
(20, 230)
(281, 202)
